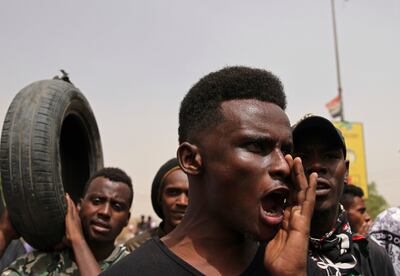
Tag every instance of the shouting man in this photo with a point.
(244, 187)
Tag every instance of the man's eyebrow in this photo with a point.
(119, 200)
(258, 137)
(94, 194)
(270, 140)
(118, 197)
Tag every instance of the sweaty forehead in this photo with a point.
(249, 110)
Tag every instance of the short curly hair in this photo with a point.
(113, 174)
(349, 193)
(201, 107)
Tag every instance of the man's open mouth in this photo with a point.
(321, 184)
(273, 205)
(323, 187)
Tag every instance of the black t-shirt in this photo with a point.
(154, 258)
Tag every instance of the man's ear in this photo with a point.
(346, 176)
(189, 158)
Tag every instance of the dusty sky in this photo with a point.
(135, 60)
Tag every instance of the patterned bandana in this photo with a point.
(386, 232)
(334, 251)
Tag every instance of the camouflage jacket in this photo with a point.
(56, 263)
(135, 242)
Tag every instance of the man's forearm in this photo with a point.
(84, 258)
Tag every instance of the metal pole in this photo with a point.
(337, 61)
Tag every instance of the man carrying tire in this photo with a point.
(91, 229)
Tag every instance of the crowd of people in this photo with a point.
(247, 194)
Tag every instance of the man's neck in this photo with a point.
(166, 227)
(200, 237)
(323, 221)
(101, 250)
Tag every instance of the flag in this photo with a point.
(335, 107)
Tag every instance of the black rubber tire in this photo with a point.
(50, 144)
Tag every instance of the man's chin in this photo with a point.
(175, 222)
(264, 235)
(268, 237)
(323, 206)
(95, 237)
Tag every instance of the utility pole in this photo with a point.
(337, 61)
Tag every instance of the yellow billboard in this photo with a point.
(354, 137)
